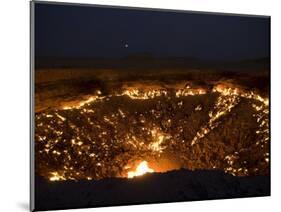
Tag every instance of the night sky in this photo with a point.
(89, 32)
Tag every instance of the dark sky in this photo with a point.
(79, 31)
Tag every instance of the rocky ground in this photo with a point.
(181, 185)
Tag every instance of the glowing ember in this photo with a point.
(56, 177)
(200, 128)
(141, 169)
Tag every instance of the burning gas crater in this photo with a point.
(118, 135)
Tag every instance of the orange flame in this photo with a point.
(141, 169)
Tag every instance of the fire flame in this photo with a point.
(53, 143)
(141, 169)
